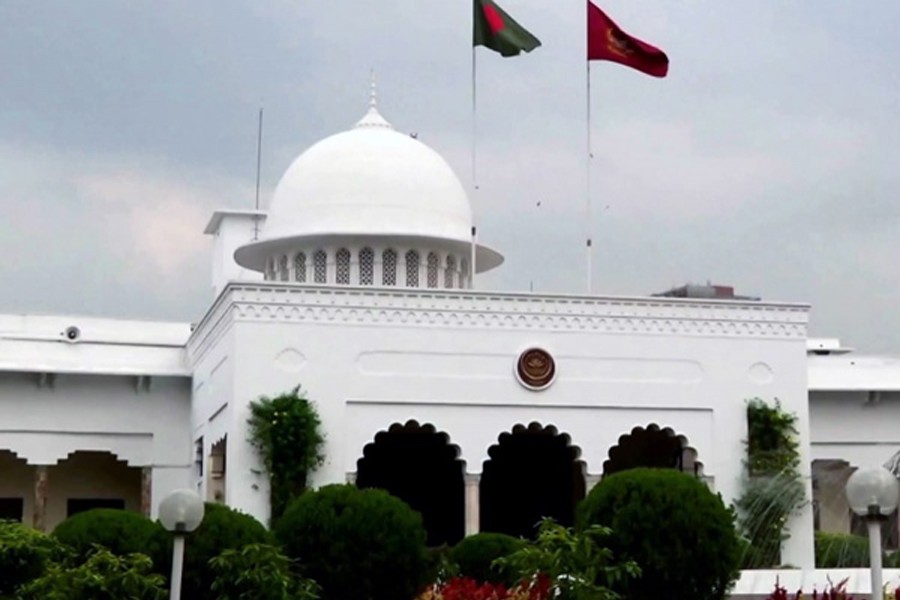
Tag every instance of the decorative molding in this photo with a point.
(463, 309)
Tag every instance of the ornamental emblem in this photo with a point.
(618, 43)
(535, 369)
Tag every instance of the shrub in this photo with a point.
(475, 555)
(119, 531)
(24, 555)
(286, 431)
(841, 550)
(258, 572)
(103, 576)
(679, 533)
(357, 544)
(222, 529)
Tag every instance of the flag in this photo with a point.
(606, 41)
(495, 29)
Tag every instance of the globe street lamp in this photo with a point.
(872, 494)
(181, 512)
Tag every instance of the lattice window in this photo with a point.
(300, 268)
(464, 273)
(283, 272)
(366, 266)
(412, 269)
(449, 272)
(342, 267)
(433, 263)
(389, 267)
(320, 267)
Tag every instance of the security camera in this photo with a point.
(72, 333)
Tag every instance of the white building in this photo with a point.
(357, 284)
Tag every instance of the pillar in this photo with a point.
(146, 491)
(39, 520)
(473, 499)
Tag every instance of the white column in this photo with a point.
(473, 499)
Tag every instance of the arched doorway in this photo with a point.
(533, 472)
(421, 467)
(654, 448)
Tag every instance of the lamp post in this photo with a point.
(181, 512)
(873, 494)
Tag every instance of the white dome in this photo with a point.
(370, 180)
(369, 185)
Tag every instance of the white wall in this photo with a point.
(845, 426)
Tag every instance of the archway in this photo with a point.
(421, 467)
(16, 488)
(533, 472)
(655, 448)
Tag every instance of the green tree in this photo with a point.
(475, 556)
(259, 572)
(578, 565)
(286, 431)
(357, 544)
(680, 534)
(103, 576)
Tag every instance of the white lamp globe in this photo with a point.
(181, 511)
(873, 491)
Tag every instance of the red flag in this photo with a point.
(606, 41)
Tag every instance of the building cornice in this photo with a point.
(354, 306)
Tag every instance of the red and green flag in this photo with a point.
(495, 29)
(607, 41)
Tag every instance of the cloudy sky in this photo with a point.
(768, 159)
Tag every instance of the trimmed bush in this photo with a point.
(25, 554)
(475, 554)
(841, 550)
(222, 529)
(121, 532)
(356, 544)
(259, 572)
(679, 533)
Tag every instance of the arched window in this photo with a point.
(320, 267)
(449, 272)
(412, 269)
(366, 266)
(464, 274)
(342, 267)
(389, 267)
(433, 264)
(283, 272)
(300, 268)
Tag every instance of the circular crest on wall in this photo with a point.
(535, 369)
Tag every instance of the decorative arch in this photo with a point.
(389, 267)
(320, 267)
(300, 267)
(342, 267)
(366, 266)
(17, 482)
(653, 447)
(412, 268)
(88, 479)
(532, 472)
(419, 464)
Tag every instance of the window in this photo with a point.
(389, 267)
(320, 266)
(12, 509)
(412, 269)
(366, 266)
(342, 267)
(283, 268)
(300, 268)
(464, 273)
(449, 272)
(80, 505)
(198, 456)
(433, 263)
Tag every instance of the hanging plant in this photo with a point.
(773, 488)
(286, 431)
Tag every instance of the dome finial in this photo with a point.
(373, 118)
(373, 90)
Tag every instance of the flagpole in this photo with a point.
(474, 164)
(589, 155)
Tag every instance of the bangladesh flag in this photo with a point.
(495, 29)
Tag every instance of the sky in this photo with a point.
(766, 160)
